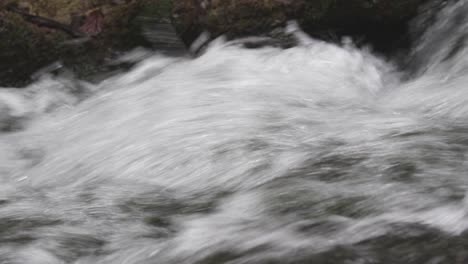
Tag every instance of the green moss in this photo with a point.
(22, 49)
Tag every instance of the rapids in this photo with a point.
(320, 153)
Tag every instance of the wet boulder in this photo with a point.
(381, 22)
(82, 34)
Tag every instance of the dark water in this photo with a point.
(314, 154)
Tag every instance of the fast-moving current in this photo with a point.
(320, 153)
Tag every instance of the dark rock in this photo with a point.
(381, 22)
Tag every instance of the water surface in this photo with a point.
(319, 153)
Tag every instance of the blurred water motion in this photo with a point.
(313, 154)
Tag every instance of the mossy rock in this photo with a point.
(26, 47)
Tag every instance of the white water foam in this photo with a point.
(239, 155)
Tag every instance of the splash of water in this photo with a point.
(314, 154)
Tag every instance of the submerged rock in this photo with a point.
(381, 22)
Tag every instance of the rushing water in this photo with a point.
(314, 154)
